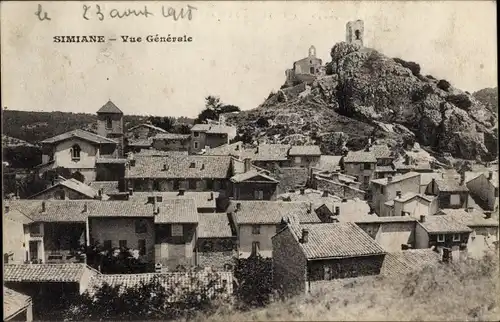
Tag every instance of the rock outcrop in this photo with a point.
(366, 94)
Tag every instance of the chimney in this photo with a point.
(152, 199)
(181, 192)
(44, 208)
(257, 150)
(367, 148)
(490, 175)
(202, 166)
(337, 211)
(248, 164)
(305, 236)
(462, 178)
(487, 214)
(132, 162)
(309, 209)
(99, 192)
(7, 208)
(447, 255)
(85, 207)
(389, 178)
(302, 191)
(325, 193)
(407, 159)
(398, 194)
(130, 191)
(422, 218)
(211, 196)
(238, 206)
(237, 148)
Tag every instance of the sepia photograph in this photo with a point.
(249, 160)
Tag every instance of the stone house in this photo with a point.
(337, 184)
(268, 156)
(426, 178)
(410, 204)
(77, 151)
(258, 221)
(304, 156)
(16, 306)
(216, 244)
(211, 136)
(305, 69)
(137, 145)
(484, 236)
(206, 201)
(385, 189)
(394, 234)
(233, 149)
(360, 164)
(442, 232)
(450, 193)
(15, 243)
(71, 189)
(171, 142)
(174, 172)
(253, 185)
(305, 255)
(143, 132)
(484, 189)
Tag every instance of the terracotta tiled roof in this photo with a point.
(252, 175)
(410, 195)
(80, 134)
(351, 210)
(214, 225)
(239, 167)
(380, 151)
(140, 143)
(336, 240)
(471, 218)
(154, 152)
(397, 178)
(360, 157)
(11, 142)
(442, 224)
(74, 185)
(305, 150)
(111, 160)
(233, 149)
(109, 107)
(291, 178)
(171, 136)
(213, 128)
(181, 166)
(74, 210)
(400, 263)
(203, 199)
(384, 168)
(45, 272)
(385, 219)
(314, 196)
(271, 212)
(450, 185)
(426, 178)
(17, 216)
(267, 152)
(13, 302)
(469, 176)
(108, 187)
(174, 281)
(150, 126)
(177, 211)
(329, 162)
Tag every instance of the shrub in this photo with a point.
(412, 66)
(421, 93)
(444, 85)
(430, 77)
(461, 101)
(254, 276)
(262, 122)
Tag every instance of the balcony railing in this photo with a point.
(36, 234)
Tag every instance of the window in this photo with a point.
(456, 237)
(210, 184)
(196, 134)
(259, 194)
(327, 271)
(256, 230)
(255, 248)
(35, 228)
(176, 184)
(141, 244)
(75, 152)
(156, 185)
(454, 200)
(141, 226)
(196, 145)
(159, 198)
(122, 243)
(311, 70)
(177, 230)
(206, 246)
(367, 166)
(192, 184)
(366, 179)
(109, 123)
(440, 238)
(192, 165)
(108, 244)
(357, 33)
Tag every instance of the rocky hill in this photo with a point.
(366, 94)
(489, 97)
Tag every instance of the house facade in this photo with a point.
(485, 188)
(171, 142)
(143, 132)
(211, 136)
(410, 204)
(304, 156)
(386, 189)
(217, 241)
(361, 165)
(254, 185)
(449, 192)
(393, 234)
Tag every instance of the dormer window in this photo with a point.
(75, 152)
(109, 123)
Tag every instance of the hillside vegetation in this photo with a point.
(368, 94)
(457, 292)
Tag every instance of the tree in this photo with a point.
(254, 276)
(213, 109)
(166, 123)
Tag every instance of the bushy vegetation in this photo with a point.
(456, 292)
(461, 101)
(254, 278)
(443, 84)
(412, 66)
(213, 109)
(421, 93)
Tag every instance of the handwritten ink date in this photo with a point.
(101, 14)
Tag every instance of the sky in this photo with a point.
(239, 52)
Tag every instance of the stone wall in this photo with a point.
(337, 189)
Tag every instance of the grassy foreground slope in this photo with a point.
(456, 292)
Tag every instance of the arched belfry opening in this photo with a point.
(312, 51)
(357, 34)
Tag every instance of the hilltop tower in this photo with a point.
(355, 32)
(110, 125)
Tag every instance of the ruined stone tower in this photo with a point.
(355, 32)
